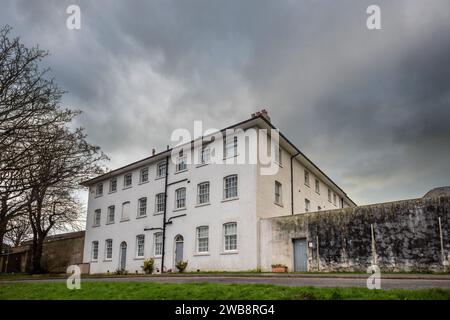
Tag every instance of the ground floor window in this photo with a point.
(158, 244)
(202, 239)
(230, 236)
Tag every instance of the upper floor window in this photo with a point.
(278, 154)
(161, 169)
(113, 184)
(205, 155)
(108, 249)
(180, 198)
(181, 162)
(97, 217)
(334, 199)
(317, 186)
(230, 236)
(157, 244)
(278, 193)
(230, 186)
(142, 207)
(203, 193)
(307, 177)
(202, 239)
(329, 195)
(307, 205)
(160, 201)
(125, 211)
(143, 175)
(140, 242)
(111, 214)
(94, 251)
(128, 180)
(99, 190)
(231, 143)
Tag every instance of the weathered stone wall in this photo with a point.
(58, 255)
(406, 237)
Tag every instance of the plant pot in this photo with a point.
(279, 269)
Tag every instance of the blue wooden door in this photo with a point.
(300, 255)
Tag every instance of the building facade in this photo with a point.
(172, 208)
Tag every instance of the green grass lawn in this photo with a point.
(209, 291)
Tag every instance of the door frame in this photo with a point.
(293, 253)
(120, 254)
(175, 249)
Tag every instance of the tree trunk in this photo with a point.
(2, 236)
(37, 255)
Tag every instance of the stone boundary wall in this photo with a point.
(396, 236)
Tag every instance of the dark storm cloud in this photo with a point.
(370, 107)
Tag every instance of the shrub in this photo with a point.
(148, 266)
(181, 266)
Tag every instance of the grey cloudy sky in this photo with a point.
(371, 108)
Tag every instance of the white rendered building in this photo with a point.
(212, 210)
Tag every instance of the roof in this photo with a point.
(259, 120)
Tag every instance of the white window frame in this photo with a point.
(127, 205)
(108, 214)
(94, 250)
(97, 217)
(159, 171)
(157, 245)
(231, 144)
(201, 194)
(99, 189)
(108, 249)
(112, 182)
(329, 195)
(140, 245)
(125, 185)
(226, 188)
(307, 205)
(181, 163)
(140, 201)
(160, 203)
(143, 171)
(307, 177)
(202, 238)
(227, 242)
(334, 199)
(178, 200)
(205, 154)
(278, 193)
(278, 154)
(317, 186)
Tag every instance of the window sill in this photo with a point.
(229, 157)
(159, 178)
(95, 226)
(202, 204)
(202, 165)
(125, 188)
(279, 164)
(98, 196)
(179, 209)
(307, 185)
(112, 192)
(141, 217)
(112, 222)
(143, 182)
(229, 252)
(107, 260)
(200, 254)
(158, 213)
(279, 204)
(124, 220)
(156, 256)
(94, 261)
(139, 258)
(181, 171)
(230, 199)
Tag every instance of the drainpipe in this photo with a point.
(292, 182)
(164, 215)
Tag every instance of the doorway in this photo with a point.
(179, 241)
(123, 255)
(300, 255)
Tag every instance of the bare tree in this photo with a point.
(19, 230)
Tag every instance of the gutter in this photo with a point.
(164, 215)
(292, 181)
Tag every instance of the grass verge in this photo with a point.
(204, 291)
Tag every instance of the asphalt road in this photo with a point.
(287, 281)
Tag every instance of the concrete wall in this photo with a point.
(58, 255)
(406, 237)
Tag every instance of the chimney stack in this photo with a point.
(262, 113)
(153, 151)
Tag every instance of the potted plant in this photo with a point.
(181, 266)
(148, 266)
(279, 268)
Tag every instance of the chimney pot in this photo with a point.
(153, 151)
